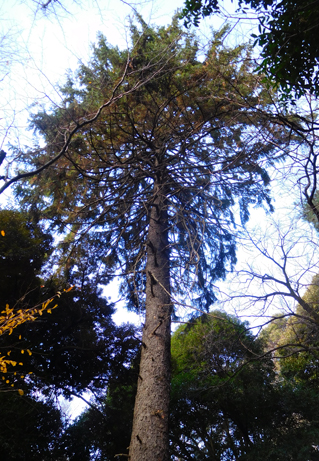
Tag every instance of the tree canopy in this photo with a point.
(211, 156)
(287, 37)
(24, 246)
(152, 185)
(72, 349)
(223, 401)
(229, 401)
(142, 173)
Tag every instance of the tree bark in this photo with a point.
(149, 440)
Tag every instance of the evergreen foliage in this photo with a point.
(294, 342)
(101, 435)
(287, 36)
(74, 348)
(149, 191)
(30, 429)
(192, 131)
(228, 401)
(223, 398)
(153, 184)
(24, 247)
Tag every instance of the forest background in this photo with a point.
(48, 345)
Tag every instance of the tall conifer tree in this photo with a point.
(154, 183)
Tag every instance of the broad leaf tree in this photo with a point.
(154, 183)
(24, 246)
(293, 342)
(224, 397)
(67, 349)
(73, 349)
(105, 434)
(231, 400)
(30, 429)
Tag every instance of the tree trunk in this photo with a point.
(149, 440)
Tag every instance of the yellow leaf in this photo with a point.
(45, 305)
(22, 376)
(69, 289)
(20, 391)
(19, 336)
(3, 233)
(29, 352)
(22, 351)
